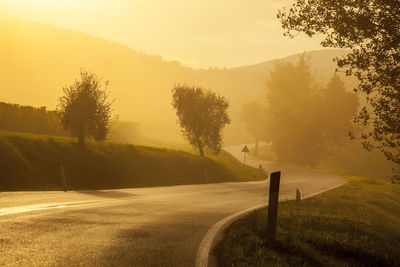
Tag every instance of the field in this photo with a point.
(33, 162)
(357, 224)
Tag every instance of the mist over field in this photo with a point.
(139, 82)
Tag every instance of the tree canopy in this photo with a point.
(29, 119)
(202, 114)
(85, 109)
(370, 30)
(306, 122)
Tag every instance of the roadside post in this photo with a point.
(298, 195)
(273, 206)
(63, 178)
(245, 150)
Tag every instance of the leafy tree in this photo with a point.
(369, 29)
(202, 114)
(85, 109)
(306, 122)
(253, 116)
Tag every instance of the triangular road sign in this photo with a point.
(245, 149)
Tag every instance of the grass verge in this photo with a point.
(32, 162)
(357, 224)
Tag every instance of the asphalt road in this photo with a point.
(160, 226)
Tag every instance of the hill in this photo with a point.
(38, 60)
(33, 162)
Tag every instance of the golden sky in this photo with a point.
(199, 33)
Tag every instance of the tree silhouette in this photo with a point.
(84, 108)
(306, 122)
(253, 116)
(369, 29)
(202, 115)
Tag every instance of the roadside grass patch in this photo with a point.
(357, 224)
(32, 162)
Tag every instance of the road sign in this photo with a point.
(245, 150)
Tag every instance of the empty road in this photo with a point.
(160, 226)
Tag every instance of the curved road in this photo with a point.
(160, 226)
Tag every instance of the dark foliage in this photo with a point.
(85, 109)
(306, 122)
(370, 29)
(29, 119)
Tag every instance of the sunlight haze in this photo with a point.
(197, 33)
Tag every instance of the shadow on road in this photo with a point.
(107, 194)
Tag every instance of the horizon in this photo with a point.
(140, 51)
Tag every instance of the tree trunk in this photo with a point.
(200, 146)
(81, 137)
(256, 148)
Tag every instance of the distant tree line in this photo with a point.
(369, 30)
(29, 119)
(304, 121)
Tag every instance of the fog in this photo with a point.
(144, 48)
(197, 33)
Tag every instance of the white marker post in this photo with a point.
(245, 150)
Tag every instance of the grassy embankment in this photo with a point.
(357, 224)
(32, 162)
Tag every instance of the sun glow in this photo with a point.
(44, 3)
(202, 33)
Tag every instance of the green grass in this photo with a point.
(357, 224)
(32, 162)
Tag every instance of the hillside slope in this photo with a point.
(33, 162)
(38, 60)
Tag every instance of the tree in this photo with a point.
(85, 109)
(202, 114)
(369, 29)
(306, 122)
(253, 116)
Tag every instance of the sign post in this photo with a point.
(245, 150)
(273, 206)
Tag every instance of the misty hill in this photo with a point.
(38, 60)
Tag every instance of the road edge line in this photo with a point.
(208, 241)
